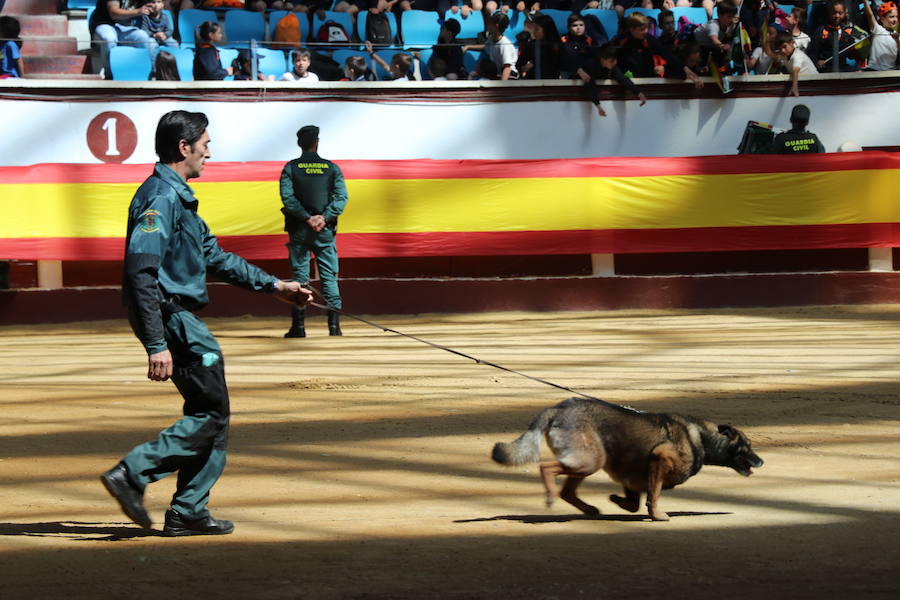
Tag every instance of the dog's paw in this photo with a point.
(591, 511)
(624, 503)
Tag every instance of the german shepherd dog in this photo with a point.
(645, 452)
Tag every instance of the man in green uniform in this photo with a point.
(168, 250)
(314, 195)
(797, 140)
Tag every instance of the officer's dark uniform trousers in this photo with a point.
(168, 251)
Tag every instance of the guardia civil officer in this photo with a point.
(168, 251)
(314, 195)
(797, 140)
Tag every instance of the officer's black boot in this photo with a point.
(334, 323)
(298, 328)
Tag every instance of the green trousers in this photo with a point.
(322, 246)
(195, 445)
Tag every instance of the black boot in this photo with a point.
(334, 323)
(298, 327)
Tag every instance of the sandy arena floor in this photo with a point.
(359, 466)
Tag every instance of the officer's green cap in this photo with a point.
(307, 133)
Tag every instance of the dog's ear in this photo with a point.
(728, 431)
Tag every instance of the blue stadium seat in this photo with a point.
(361, 18)
(81, 4)
(694, 14)
(609, 19)
(241, 26)
(560, 19)
(387, 55)
(272, 62)
(420, 28)
(653, 13)
(189, 20)
(341, 18)
(184, 57)
(469, 27)
(516, 24)
(424, 57)
(128, 63)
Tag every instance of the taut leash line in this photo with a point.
(477, 361)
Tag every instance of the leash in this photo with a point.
(478, 361)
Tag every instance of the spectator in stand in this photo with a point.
(797, 21)
(10, 57)
(691, 54)
(668, 33)
(885, 42)
(763, 59)
(437, 69)
(112, 23)
(541, 39)
(165, 68)
(449, 50)
(356, 69)
(797, 140)
(498, 51)
(605, 66)
(207, 64)
(263, 5)
(301, 59)
(643, 55)
(156, 24)
(576, 47)
(243, 68)
(794, 60)
(470, 5)
(398, 69)
(716, 35)
(830, 46)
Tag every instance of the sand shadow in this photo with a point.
(76, 530)
(539, 519)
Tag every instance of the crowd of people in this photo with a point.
(747, 37)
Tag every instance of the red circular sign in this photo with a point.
(112, 137)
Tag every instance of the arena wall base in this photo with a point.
(411, 296)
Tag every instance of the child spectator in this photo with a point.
(668, 34)
(643, 55)
(606, 67)
(243, 67)
(576, 47)
(498, 50)
(207, 64)
(795, 61)
(796, 21)
(165, 68)
(716, 35)
(400, 66)
(691, 54)
(885, 42)
(156, 24)
(542, 39)
(763, 59)
(10, 56)
(302, 60)
(355, 69)
(437, 69)
(449, 50)
(829, 46)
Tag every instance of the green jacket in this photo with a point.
(797, 141)
(311, 185)
(168, 251)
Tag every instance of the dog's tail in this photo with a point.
(527, 447)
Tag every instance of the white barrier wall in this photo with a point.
(262, 129)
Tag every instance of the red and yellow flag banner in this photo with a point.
(488, 207)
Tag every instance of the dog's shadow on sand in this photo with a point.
(76, 530)
(539, 519)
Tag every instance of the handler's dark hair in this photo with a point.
(176, 126)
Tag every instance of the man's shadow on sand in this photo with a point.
(76, 530)
(539, 519)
